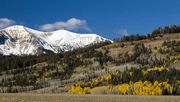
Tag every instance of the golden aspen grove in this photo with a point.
(131, 87)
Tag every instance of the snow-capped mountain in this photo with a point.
(20, 40)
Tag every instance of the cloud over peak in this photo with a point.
(72, 24)
(5, 22)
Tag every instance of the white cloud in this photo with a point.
(121, 32)
(72, 24)
(5, 22)
(124, 32)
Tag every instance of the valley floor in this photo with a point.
(29, 97)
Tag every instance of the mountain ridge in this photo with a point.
(21, 40)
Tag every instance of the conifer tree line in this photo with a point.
(172, 29)
(167, 30)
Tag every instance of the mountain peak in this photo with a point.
(14, 27)
(20, 40)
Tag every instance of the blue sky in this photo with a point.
(108, 18)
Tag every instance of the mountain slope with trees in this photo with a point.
(146, 62)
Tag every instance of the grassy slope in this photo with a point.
(83, 98)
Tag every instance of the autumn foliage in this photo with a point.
(135, 82)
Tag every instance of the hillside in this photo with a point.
(103, 68)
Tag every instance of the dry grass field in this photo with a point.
(26, 97)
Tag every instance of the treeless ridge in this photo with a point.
(29, 97)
